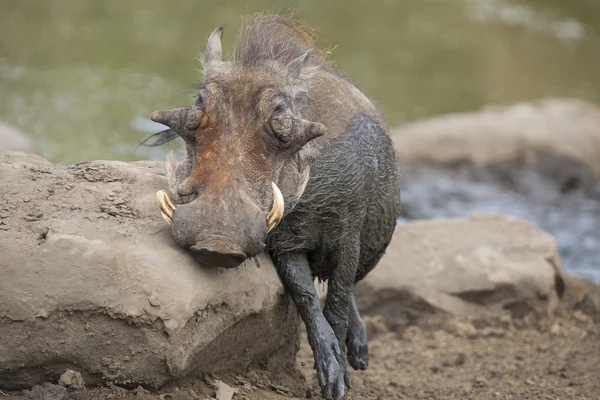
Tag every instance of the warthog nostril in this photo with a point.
(215, 255)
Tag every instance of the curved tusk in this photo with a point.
(166, 207)
(276, 213)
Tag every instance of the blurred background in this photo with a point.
(81, 76)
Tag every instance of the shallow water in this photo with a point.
(78, 75)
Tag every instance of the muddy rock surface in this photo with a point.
(92, 282)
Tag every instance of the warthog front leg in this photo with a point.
(339, 293)
(295, 274)
(358, 348)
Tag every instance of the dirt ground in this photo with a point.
(454, 359)
(440, 358)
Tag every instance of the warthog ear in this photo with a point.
(214, 51)
(296, 65)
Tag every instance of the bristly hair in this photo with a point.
(270, 37)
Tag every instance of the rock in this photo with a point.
(224, 391)
(555, 329)
(71, 379)
(140, 391)
(97, 284)
(11, 139)
(565, 127)
(474, 267)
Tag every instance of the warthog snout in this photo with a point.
(218, 233)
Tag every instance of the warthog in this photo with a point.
(286, 155)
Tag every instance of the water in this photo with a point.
(77, 75)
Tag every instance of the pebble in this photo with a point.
(555, 330)
(71, 379)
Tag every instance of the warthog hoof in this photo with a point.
(330, 365)
(358, 348)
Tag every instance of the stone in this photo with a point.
(109, 293)
(481, 266)
(72, 379)
(566, 127)
(224, 391)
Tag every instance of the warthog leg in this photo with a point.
(339, 292)
(358, 349)
(296, 277)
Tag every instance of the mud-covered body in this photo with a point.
(353, 195)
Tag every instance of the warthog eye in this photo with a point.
(281, 125)
(193, 120)
(199, 102)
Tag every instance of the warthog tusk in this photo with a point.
(166, 207)
(276, 212)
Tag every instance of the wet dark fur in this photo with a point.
(353, 189)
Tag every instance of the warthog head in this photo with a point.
(243, 135)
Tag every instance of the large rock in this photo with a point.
(11, 139)
(92, 281)
(565, 127)
(477, 267)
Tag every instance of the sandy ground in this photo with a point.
(441, 358)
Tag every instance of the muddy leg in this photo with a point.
(339, 291)
(358, 348)
(294, 272)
